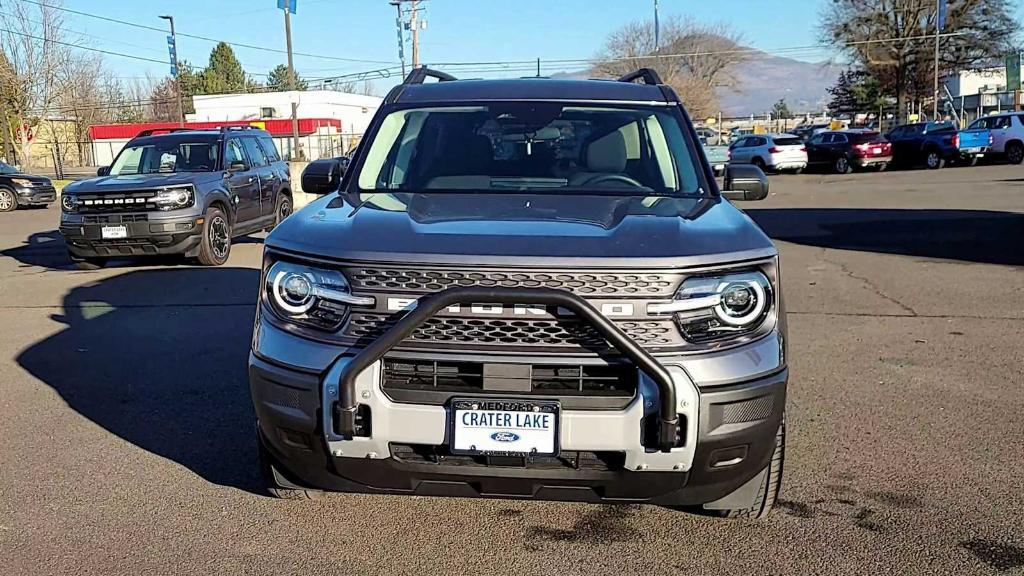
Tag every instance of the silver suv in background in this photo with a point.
(776, 152)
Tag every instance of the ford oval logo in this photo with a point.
(504, 436)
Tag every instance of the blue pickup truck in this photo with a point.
(935, 144)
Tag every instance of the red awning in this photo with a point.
(281, 127)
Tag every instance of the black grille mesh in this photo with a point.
(504, 332)
(743, 411)
(592, 283)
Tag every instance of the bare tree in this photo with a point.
(893, 40)
(693, 58)
(33, 48)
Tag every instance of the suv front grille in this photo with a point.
(134, 201)
(600, 284)
(565, 333)
(609, 380)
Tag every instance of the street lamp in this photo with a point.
(177, 72)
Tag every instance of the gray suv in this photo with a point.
(186, 192)
(526, 289)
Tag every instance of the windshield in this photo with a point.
(7, 169)
(535, 147)
(166, 157)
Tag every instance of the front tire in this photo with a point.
(215, 246)
(86, 263)
(8, 200)
(271, 483)
(1015, 152)
(770, 488)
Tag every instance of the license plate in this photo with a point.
(876, 150)
(113, 232)
(972, 150)
(504, 427)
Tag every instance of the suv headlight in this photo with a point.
(310, 296)
(175, 198)
(709, 308)
(69, 202)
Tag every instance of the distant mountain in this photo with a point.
(763, 79)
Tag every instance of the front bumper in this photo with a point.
(35, 195)
(732, 403)
(83, 235)
(735, 420)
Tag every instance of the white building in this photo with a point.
(354, 110)
(969, 82)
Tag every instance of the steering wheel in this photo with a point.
(613, 178)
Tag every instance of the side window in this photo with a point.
(1002, 122)
(252, 148)
(739, 143)
(980, 123)
(269, 150)
(760, 141)
(917, 129)
(818, 138)
(233, 152)
(839, 138)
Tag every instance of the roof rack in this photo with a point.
(418, 75)
(648, 75)
(151, 131)
(239, 127)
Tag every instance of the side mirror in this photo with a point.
(744, 182)
(323, 176)
(237, 167)
(103, 171)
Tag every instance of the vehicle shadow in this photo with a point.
(158, 358)
(981, 236)
(47, 250)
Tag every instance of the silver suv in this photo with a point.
(526, 289)
(776, 152)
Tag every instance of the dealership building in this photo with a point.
(330, 122)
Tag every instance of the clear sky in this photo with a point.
(458, 30)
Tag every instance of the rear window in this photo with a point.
(793, 141)
(858, 138)
(524, 146)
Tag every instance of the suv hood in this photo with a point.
(525, 230)
(117, 184)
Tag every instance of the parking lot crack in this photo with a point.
(869, 284)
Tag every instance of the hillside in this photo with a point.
(763, 79)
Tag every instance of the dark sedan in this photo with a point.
(18, 189)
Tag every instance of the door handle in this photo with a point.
(251, 178)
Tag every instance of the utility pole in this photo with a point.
(657, 28)
(401, 34)
(940, 17)
(414, 24)
(288, 7)
(175, 71)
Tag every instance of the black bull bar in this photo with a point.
(345, 412)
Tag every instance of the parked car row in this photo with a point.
(930, 144)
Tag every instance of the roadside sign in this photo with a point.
(259, 124)
(913, 118)
(288, 5)
(711, 120)
(760, 129)
(172, 51)
(835, 125)
(1013, 72)
(940, 20)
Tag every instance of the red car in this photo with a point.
(845, 150)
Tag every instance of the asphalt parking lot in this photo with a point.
(127, 447)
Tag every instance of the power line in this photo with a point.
(205, 38)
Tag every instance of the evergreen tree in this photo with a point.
(223, 74)
(278, 80)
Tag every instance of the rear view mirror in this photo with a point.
(323, 176)
(103, 171)
(744, 182)
(237, 167)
